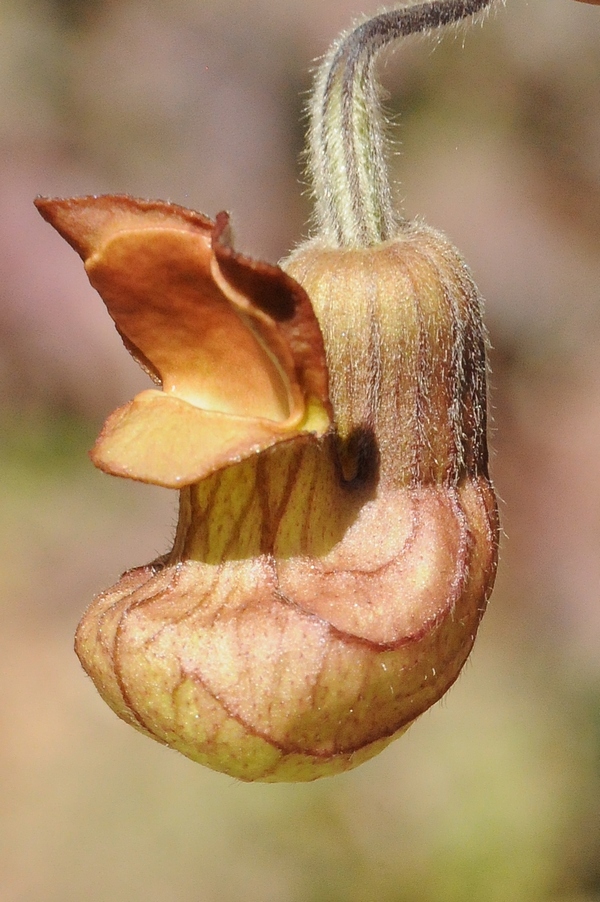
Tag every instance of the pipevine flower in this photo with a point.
(325, 423)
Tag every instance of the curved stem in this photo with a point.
(347, 131)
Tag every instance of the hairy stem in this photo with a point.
(347, 133)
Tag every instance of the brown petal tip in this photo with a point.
(85, 222)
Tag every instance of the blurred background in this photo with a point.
(494, 795)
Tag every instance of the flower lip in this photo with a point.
(224, 334)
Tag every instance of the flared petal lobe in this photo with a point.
(233, 343)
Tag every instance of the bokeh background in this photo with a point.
(494, 795)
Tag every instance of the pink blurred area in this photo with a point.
(201, 102)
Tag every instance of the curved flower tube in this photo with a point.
(325, 423)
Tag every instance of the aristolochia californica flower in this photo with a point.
(326, 425)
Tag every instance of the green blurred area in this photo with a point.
(494, 795)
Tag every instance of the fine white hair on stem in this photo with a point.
(347, 158)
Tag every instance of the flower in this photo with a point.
(326, 425)
(325, 585)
